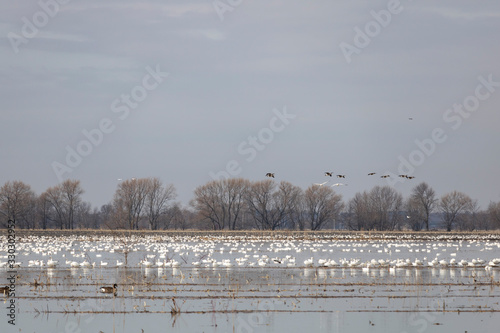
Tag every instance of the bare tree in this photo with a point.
(30, 217)
(44, 211)
(481, 220)
(322, 205)
(297, 212)
(494, 215)
(208, 202)
(95, 221)
(56, 212)
(452, 205)
(129, 200)
(424, 200)
(386, 207)
(221, 202)
(261, 204)
(84, 217)
(180, 218)
(379, 209)
(71, 192)
(64, 199)
(173, 218)
(358, 212)
(188, 219)
(415, 218)
(198, 221)
(288, 196)
(469, 219)
(16, 201)
(106, 213)
(235, 190)
(269, 205)
(157, 199)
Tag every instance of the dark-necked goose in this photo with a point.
(5, 290)
(109, 290)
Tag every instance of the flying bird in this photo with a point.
(339, 184)
(328, 173)
(321, 184)
(371, 173)
(403, 176)
(410, 177)
(340, 176)
(385, 176)
(269, 174)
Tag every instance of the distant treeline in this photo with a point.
(240, 204)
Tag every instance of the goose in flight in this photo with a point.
(340, 176)
(410, 177)
(385, 176)
(321, 184)
(339, 184)
(328, 173)
(371, 173)
(269, 174)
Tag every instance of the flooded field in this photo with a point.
(238, 282)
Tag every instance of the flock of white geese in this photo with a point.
(83, 252)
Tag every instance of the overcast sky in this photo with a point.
(291, 87)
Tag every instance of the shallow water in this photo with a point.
(269, 297)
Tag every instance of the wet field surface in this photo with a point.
(254, 284)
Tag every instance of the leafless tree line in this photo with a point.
(384, 209)
(266, 205)
(137, 203)
(379, 209)
(238, 204)
(143, 199)
(60, 206)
